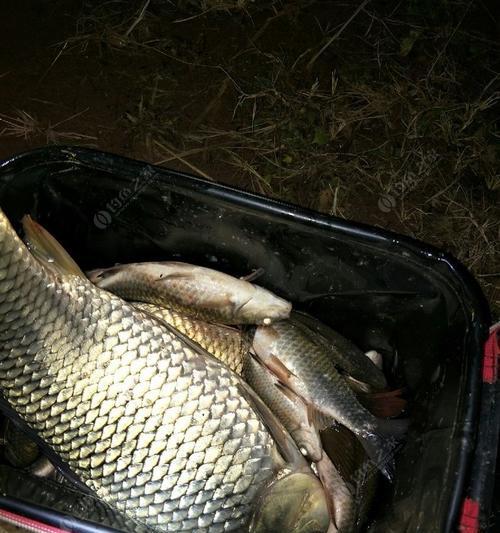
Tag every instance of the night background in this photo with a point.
(380, 112)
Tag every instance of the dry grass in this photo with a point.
(25, 125)
(400, 105)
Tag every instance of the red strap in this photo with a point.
(469, 520)
(28, 523)
(491, 356)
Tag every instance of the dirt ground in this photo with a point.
(380, 112)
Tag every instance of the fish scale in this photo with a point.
(72, 341)
(227, 344)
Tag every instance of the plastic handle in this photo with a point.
(492, 355)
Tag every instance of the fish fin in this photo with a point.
(319, 419)
(312, 415)
(380, 450)
(359, 387)
(344, 449)
(324, 421)
(287, 392)
(332, 528)
(340, 498)
(289, 451)
(324, 467)
(47, 250)
(383, 404)
(279, 369)
(382, 444)
(253, 275)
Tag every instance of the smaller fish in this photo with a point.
(306, 368)
(290, 409)
(341, 499)
(193, 290)
(293, 413)
(295, 503)
(345, 355)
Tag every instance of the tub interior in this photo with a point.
(401, 299)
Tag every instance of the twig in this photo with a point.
(212, 103)
(338, 33)
(184, 154)
(138, 19)
(162, 146)
(70, 118)
(443, 50)
(63, 47)
(264, 26)
(192, 17)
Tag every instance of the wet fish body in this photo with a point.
(193, 290)
(153, 427)
(287, 406)
(306, 368)
(293, 413)
(345, 354)
(227, 344)
(359, 474)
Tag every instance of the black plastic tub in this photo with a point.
(416, 305)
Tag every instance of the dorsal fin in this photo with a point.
(47, 250)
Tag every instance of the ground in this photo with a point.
(380, 112)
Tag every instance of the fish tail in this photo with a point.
(382, 444)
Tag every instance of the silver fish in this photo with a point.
(226, 343)
(306, 368)
(345, 355)
(169, 436)
(286, 405)
(193, 290)
(293, 412)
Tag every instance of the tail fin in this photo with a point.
(382, 445)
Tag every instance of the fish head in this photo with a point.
(294, 503)
(260, 306)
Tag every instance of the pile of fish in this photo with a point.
(185, 398)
